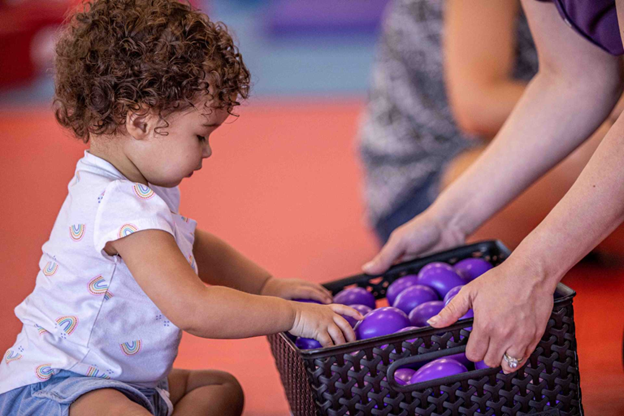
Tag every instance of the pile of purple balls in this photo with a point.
(413, 299)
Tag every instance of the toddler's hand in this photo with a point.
(296, 289)
(324, 323)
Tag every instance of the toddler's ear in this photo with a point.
(139, 124)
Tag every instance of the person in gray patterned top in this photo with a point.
(446, 76)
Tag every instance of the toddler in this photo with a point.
(145, 83)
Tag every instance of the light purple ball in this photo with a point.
(403, 376)
(382, 321)
(408, 328)
(480, 365)
(414, 296)
(420, 314)
(363, 309)
(451, 294)
(442, 367)
(470, 269)
(355, 296)
(399, 286)
(460, 358)
(439, 276)
(307, 343)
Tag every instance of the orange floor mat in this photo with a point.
(283, 186)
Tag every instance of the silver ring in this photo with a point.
(513, 362)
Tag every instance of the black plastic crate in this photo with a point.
(352, 379)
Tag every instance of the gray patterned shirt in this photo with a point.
(408, 132)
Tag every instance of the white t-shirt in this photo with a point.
(87, 314)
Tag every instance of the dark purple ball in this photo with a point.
(307, 343)
(414, 296)
(399, 286)
(480, 365)
(451, 294)
(442, 367)
(420, 314)
(355, 296)
(472, 268)
(403, 376)
(363, 309)
(382, 321)
(439, 276)
(460, 358)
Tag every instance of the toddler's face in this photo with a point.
(165, 160)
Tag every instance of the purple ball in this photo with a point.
(355, 295)
(403, 376)
(420, 314)
(382, 321)
(414, 296)
(480, 365)
(472, 268)
(307, 343)
(439, 276)
(442, 367)
(460, 358)
(363, 309)
(451, 294)
(399, 286)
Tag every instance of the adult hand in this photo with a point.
(511, 310)
(423, 234)
(296, 289)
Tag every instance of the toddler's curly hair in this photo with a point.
(117, 56)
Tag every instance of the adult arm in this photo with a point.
(575, 89)
(479, 56)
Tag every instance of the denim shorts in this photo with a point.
(53, 397)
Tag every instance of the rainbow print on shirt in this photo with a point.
(40, 329)
(11, 355)
(131, 348)
(142, 191)
(44, 372)
(94, 372)
(67, 323)
(76, 232)
(126, 230)
(108, 295)
(50, 268)
(98, 286)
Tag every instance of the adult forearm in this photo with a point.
(551, 119)
(588, 213)
(221, 312)
(220, 264)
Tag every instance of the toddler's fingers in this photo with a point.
(346, 310)
(307, 292)
(336, 334)
(325, 339)
(346, 328)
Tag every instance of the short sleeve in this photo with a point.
(126, 208)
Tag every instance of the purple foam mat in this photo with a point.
(304, 17)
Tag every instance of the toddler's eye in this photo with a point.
(201, 138)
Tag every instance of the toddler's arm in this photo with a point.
(220, 264)
(158, 266)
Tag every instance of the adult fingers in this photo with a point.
(346, 328)
(336, 334)
(392, 250)
(513, 352)
(455, 309)
(477, 345)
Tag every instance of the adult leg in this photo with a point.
(205, 393)
(105, 402)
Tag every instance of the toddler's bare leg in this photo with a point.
(105, 402)
(205, 393)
